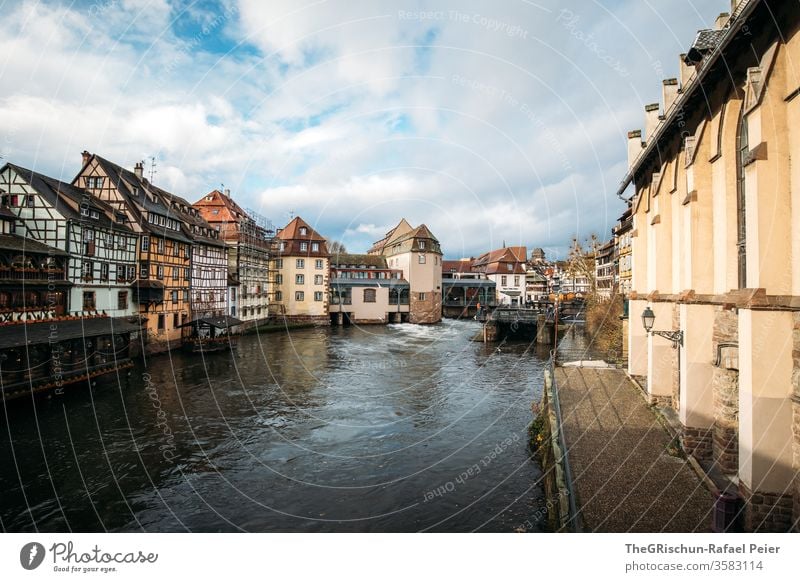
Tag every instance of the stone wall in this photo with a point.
(697, 442)
(428, 310)
(725, 384)
(766, 512)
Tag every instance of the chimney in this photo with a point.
(669, 92)
(228, 192)
(85, 155)
(634, 146)
(686, 71)
(721, 21)
(651, 113)
(138, 169)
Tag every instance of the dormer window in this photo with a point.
(422, 244)
(315, 247)
(303, 246)
(94, 214)
(509, 266)
(84, 211)
(303, 231)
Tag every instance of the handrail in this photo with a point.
(573, 522)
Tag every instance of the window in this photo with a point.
(174, 296)
(145, 243)
(279, 279)
(299, 279)
(303, 231)
(283, 245)
(94, 182)
(176, 272)
(233, 311)
(279, 264)
(369, 296)
(422, 296)
(317, 295)
(318, 264)
(122, 300)
(161, 322)
(516, 280)
(301, 263)
(509, 266)
(160, 271)
(104, 271)
(504, 281)
(421, 244)
(87, 270)
(176, 249)
(174, 320)
(743, 150)
(30, 201)
(314, 247)
(186, 295)
(94, 214)
(186, 273)
(161, 245)
(88, 300)
(299, 296)
(233, 293)
(278, 296)
(422, 259)
(144, 270)
(303, 246)
(317, 279)
(122, 272)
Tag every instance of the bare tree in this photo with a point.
(336, 248)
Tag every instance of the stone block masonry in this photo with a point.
(428, 310)
(725, 385)
(766, 512)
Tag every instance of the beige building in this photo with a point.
(301, 267)
(716, 255)
(415, 252)
(365, 290)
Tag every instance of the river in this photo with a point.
(380, 428)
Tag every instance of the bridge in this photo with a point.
(535, 321)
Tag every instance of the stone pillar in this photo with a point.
(766, 476)
(660, 358)
(637, 339)
(696, 410)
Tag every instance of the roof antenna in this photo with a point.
(153, 170)
(291, 215)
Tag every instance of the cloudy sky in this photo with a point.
(491, 122)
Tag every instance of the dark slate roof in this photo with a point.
(60, 195)
(218, 322)
(135, 191)
(704, 42)
(13, 242)
(344, 259)
(22, 334)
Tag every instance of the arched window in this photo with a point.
(742, 151)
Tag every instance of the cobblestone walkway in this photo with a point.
(625, 479)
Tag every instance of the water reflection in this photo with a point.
(317, 430)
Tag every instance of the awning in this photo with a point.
(511, 293)
(55, 331)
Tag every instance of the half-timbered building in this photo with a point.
(161, 290)
(42, 346)
(248, 254)
(99, 241)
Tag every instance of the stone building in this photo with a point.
(415, 252)
(301, 266)
(365, 290)
(716, 255)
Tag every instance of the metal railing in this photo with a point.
(573, 522)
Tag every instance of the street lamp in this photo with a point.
(649, 318)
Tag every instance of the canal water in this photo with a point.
(380, 428)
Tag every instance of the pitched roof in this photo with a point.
(292, 231)
(457, 266)
(14, 242)
(402, 228)
(67, 199)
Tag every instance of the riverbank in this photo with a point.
(627, 473)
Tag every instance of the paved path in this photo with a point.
(625, 479)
